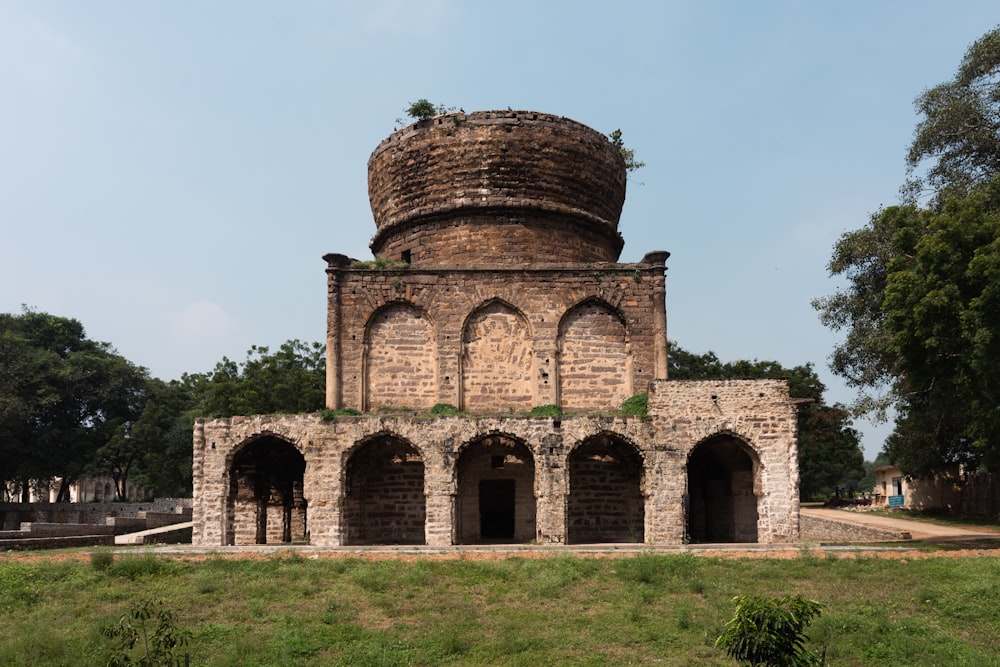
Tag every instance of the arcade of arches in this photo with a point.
(663, 479)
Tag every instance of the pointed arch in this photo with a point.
(266, 502)
(497, 359)
(723, 473)
(384, 500)
(400, 368)
(595, 366)
(605, 502)
(495, 481)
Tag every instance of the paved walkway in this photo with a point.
(919, 530)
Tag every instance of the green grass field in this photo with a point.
(560, 610)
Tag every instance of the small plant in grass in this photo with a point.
(769, 632)
(636, 405)
(102, 560)
(146, 635)
(545, 411)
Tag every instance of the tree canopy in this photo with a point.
(921, 308)
(830, 455)
(72, 407)
(62, 397)
(959, 133)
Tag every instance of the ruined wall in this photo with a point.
(758, 413)
(647, 466)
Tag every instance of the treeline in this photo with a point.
(71, 407)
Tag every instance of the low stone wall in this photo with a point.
(12, 515)
(816, 528)
(65, 542)
(36, 529)
(159, 519)
(179, 536)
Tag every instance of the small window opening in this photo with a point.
(496, 462)
(405, 256)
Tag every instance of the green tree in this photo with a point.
(959, 133)
(830, 454)
(942, 305)
(770, 632)
(62, 397)
(920, 309)
(292, 379)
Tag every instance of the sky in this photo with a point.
(171, 173)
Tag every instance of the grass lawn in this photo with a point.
(643, 609)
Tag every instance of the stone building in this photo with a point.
(497, 290)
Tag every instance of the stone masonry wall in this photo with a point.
(502, 339)
(757, 412)
(683, 415)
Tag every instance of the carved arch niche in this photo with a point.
(497, 360)
(400, 359)
(595, 366)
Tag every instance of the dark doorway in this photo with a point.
(722, 502)
(496, 509)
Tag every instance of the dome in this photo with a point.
(496, 187)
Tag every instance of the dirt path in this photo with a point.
(919, 530)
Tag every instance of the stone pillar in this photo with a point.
(334, 392)
(439, 499)
(551, 489)
(658, 258)
(665, 486)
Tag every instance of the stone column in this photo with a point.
(439, 499)
(551, 489)
(334, 397)
(665, 486)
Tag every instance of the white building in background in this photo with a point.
(85, 490)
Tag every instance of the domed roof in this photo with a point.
(498, 166)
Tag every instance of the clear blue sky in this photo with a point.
(171, 173)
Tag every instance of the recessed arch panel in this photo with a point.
(384, 499)
(401, 359)
(497, 360)
(594, 365)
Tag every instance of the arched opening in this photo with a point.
(401, 359)
(594, 365)
(496, 492)
(266, 503)
(496, 360)
(722, 499)
(384, 500)
(605, 502)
